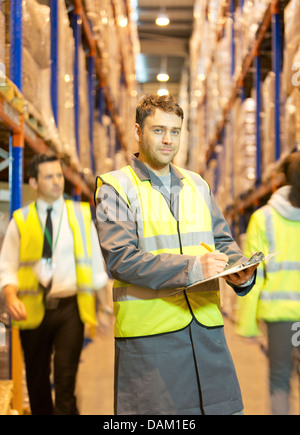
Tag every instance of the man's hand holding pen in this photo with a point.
(214, 263)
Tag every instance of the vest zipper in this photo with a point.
(181, 252)
(179, 238)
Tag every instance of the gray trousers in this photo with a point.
(282, 356)
(188, 372)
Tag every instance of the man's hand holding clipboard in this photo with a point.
(237, 274)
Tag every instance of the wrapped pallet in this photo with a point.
(292, 45)
(290, 117)
(226, 161)
(223, 61)
(292, 123)
(36, 64)
(66, 122)
(116, 38)
(2, 46)
(268, 123)
(84, 140)
(182, 155)
(100, 144)
(6, 396)
(252, 15)
(244, 147)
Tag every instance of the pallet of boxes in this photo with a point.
(6, 395)
(6, 385)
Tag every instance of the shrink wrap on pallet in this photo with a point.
(84, 140)
(100, 144)
(116, 38)
(290, 120)
(291, 140)
(291, 45)
(6, 396)
(244, 146)
(66, 122)
(268, 123)
(36, 70)
(2, 46)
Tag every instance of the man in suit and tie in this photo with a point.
(51, 267)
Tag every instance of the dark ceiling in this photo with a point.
(163, 45)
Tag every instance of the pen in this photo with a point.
(208, 248)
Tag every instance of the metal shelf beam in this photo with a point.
(277, 68)
(257, 64)
(54, 58)
(245, 69)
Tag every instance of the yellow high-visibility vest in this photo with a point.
(31, 248)
(276, 295)
(142, 311)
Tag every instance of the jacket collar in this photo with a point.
(145, 175)
(171, 198)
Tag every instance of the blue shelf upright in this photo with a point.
(277, 68)
(77, 29)
(16, 141)
(257, 66)
(232, 10)
(91, 96)
(54, 57)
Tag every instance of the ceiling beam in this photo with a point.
(173, 46)
(155, 8)
(186, 24)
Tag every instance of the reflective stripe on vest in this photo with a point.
(31, 245)
(143, 311)
(280, 297)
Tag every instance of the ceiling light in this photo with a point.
(162, 18)
(162, 91)
(162, 77)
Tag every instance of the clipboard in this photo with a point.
(238, 267)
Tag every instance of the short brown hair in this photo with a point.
(291, 169)
(38, 159)
(150, 103)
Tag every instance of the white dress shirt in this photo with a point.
(64, 281)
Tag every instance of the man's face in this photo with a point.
(159, 140)
(50, 182)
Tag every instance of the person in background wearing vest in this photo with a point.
(171, 355)
(51, 297)
(275, 298)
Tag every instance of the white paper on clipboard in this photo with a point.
(234, 269)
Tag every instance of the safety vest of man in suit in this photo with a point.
(31, 247)
(142, 311)
(274, 228)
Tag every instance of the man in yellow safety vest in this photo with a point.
(275, 299)
(171, 355)
(50, 265)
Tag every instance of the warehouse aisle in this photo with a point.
(95, 378)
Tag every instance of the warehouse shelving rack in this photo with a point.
(21, 125)
(271, 24)
(22, 134)
(263, 190)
